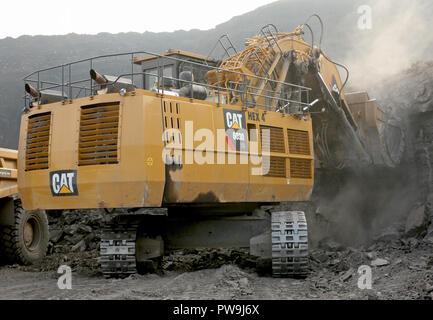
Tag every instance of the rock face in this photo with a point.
(409, 95)
(416, 222)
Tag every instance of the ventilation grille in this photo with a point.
(276, 139)
(300, 168)
(298, 142)
(99, 131)
(38, 138)
(171, 115)
(277, 167)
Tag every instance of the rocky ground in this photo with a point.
(400, 257)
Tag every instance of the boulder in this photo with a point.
(74, 239)
(61, 248)
(379, 262)
(388, 235)
(429, 236)
(84, 228)
(56, 235)
(347, 275)
(80, 246)
(330, 245)
(89, 238)
(319, 256)
(71, 230)
(371, 255)
(70, 218)
(416, 222)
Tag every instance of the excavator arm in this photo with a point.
(350, 128)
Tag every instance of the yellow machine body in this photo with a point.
(56, 139)
(109, 150)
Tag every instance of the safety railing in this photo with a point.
(226, 47)
(73, 80)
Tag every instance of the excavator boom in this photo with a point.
(350, 128)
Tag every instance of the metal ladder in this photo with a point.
(272, 56)
(226, 47)
(266, 65)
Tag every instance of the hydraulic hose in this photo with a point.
(321, 26)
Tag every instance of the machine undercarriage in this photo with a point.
(136, 242)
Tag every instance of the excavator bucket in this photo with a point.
(384, 134)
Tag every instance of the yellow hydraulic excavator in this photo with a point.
(188, 151)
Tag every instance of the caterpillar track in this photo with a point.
(117, 249)
(289, 244)
(288, 241)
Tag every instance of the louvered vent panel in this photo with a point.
(276, 139)
(300, 168)
(99, 133)
(298, 142)
(277, 167)
(38, 138)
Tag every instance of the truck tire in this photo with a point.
(25, 242)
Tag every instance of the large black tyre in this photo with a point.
(25, 242)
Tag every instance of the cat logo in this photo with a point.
(64, 183)
(234, 119)
(236, 133)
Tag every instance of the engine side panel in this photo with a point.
(136, 180)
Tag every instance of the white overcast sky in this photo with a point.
(49, 17)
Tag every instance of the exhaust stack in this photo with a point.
(32, 91)
(98, 78)
(111, 84)
(44, 96)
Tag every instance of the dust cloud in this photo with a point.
(400, 36)
(355, 206)
(359, 204)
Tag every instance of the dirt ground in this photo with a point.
(407, 274)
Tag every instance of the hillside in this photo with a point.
(399, 37)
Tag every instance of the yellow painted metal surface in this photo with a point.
(109, 150)
(234, 182)
(139, 177)
(8, 172)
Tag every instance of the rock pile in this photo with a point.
(406, 262)
(80, 232)
(198, 259)
(75, 231)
